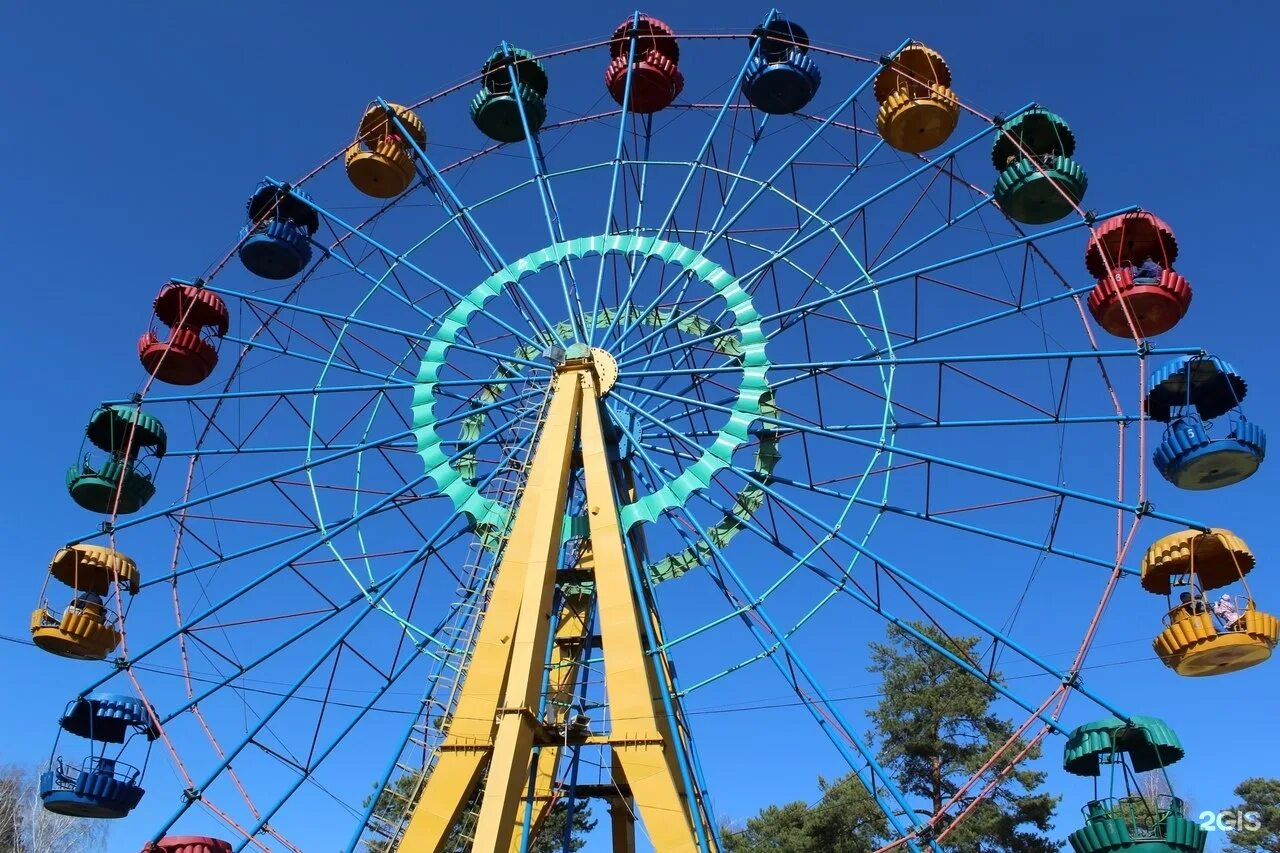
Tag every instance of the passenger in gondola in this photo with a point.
(1226, 610)
(1193, 605)
(1148, 271)
(88, 603)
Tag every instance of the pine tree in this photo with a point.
(551, 836)
(1261, 797)
(936, 727)
(845, 820)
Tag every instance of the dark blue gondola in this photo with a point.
(277, 239)
(1187, 393)
(781, 78)
(99, 785)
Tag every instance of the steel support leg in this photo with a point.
(528, 562)
(641, 740)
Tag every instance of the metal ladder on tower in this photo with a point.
(484, 552)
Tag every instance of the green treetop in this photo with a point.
(936, 728)
(1261, 797)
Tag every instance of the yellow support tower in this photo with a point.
(495, 728)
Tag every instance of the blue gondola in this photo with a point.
(277, 239)
(782, 78)
(99, 785)
(1187, 393)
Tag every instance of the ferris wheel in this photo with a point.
(436, 475)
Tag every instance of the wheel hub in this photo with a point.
(604, 365)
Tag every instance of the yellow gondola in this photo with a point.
(1202, 637)
(88, 627)
(380, 160)
(918, 110)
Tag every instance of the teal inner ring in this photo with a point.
(752, 400)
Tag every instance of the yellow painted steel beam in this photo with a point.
(627, 486)
(530, 550)
(642, 741)
(533, 549)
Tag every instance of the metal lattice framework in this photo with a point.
(834, 363)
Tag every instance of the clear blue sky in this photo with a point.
(138, 129)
